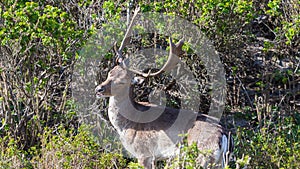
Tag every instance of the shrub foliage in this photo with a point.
(258, 42)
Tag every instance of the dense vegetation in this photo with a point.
(258, 42)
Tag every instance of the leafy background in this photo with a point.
(258, 42)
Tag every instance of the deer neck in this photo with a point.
(123, 99)
(122, 107)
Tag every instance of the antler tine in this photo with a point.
(173, 59)
(126, 39)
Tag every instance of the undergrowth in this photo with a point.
(60, 148)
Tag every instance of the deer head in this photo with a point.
(121, 77)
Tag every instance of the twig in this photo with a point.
(251, 102)
(296, 69)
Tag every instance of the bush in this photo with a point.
(276, 146)
(60, 148)
(38, 49)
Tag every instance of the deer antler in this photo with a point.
(126, 39)
(175, 51)
(173, 60)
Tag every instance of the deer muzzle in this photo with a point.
(103, 90)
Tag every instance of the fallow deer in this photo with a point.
(151, 132)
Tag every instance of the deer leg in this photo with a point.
(147, 162)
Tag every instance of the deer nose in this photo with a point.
(99, 89)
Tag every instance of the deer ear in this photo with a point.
(122, 62)
(119, 60)
(137, 80)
